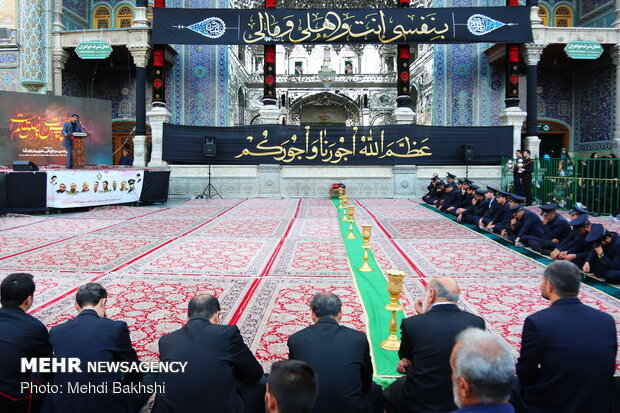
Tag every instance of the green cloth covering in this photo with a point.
(372, 289)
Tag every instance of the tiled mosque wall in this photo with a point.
(197, 88)
(76, 14)
(595, 103)
(555, 94)
(467, 91)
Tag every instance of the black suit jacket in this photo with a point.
(427, 340)
(21, 335)
(92, 338)
(216, 358)
(493, 210)
(340, 357)
(568, 359)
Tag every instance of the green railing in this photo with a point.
(594, 182)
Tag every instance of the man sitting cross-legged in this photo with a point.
(427, 341)
(341, 358)
(222, 374)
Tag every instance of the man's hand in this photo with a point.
(403, 365)
(570, 257)
(418, 306)
(586, 267)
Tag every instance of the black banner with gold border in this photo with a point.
(335, 145)
(398, 25)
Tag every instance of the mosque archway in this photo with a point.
(324, 109)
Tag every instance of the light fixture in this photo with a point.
(327, 74)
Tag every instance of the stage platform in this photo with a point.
(55, 187)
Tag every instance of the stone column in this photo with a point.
(141, 54)
(615, 144)
(358, 49)
(532, 53)
(514, 116)
(59, 57)
(157, 116)
(140, 21)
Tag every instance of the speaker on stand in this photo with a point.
(209, 151)
(467, 154)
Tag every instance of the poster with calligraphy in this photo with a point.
(31, 128)
(337, 145)
(397, 25)
(68, 188)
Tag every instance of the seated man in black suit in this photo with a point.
(21, 336)
(291, 387)
(604, 259)
(482, 373)
(568, 350)
(92, 337)
(222, 374)
(341, 358)
(427, 341)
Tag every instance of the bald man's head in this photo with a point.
(203, 304)
(446, 289)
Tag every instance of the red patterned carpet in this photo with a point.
(264, 259)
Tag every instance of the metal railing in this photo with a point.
(593, 182)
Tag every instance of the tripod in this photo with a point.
(209, 191)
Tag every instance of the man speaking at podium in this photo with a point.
(68, 129)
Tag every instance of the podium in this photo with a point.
(77, 149)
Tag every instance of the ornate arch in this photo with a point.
(563, 16)
(124, 16)
(102, 17)
(352, 111)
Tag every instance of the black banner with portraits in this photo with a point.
(335, 145)
(398, 25)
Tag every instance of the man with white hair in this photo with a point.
(482, 373)
(427, 341)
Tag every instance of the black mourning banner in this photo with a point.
(337, 145)
(398, 25)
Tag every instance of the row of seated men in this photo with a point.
(590, 246)
(566, 364)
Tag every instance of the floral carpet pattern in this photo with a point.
(264, 259)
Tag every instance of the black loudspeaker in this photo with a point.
(24, 166)
(209, 147)
(467, 153)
